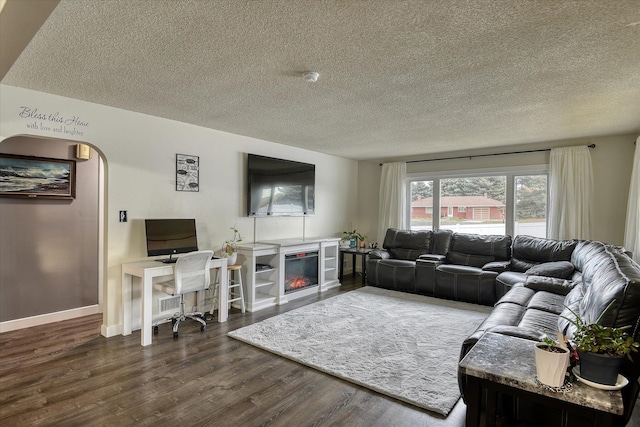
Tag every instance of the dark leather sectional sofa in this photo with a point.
(530, 282)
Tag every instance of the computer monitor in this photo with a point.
(170, 236)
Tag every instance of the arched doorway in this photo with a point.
(52, 251)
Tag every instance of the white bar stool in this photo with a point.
(235, 288)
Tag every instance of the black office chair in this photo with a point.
(190, 274)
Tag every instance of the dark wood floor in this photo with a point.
(68, 374)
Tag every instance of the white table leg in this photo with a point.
(223, 294)
(145, 328)
(126, 303)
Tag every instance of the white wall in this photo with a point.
(612, 162)
(139, 153)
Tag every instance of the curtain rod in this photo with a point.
(485, 155)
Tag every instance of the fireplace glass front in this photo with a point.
(300, 271)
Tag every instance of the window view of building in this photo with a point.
(478, 204)
(421, 210)
(482, 200)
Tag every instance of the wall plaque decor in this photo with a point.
(187, 172)
(37, 177)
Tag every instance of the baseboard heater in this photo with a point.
(168, 305)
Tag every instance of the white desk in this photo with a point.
(146, 271)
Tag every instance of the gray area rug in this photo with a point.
(402, 345)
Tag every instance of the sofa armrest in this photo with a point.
(497, 266)
(433, 257)
(379, 254)
(549, 284)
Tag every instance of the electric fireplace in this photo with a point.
(300, 271)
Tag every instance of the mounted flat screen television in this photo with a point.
(170, 236)
(278, 187)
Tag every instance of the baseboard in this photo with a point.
(111, 331)
(43, 319)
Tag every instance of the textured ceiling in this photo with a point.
(397, 78)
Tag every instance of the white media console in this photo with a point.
(263, 269)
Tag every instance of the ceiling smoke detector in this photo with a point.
(310, 76)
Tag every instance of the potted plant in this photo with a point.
(230, 247)
(552, 360)
(601, 349)
(353, 237)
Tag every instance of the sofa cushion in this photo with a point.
(558, 269)
(471, 260)
(464, 283)
(529, 251)
(503, 314)
(549, 284)
(408, 239)
(497, 246)
(541, 320)
(441, 241)
(517, 295)
(510, 278)
(611, 275)
(547, 301)
(407, 244)
(571, 305)
(395, 274)
(406, 254)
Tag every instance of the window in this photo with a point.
(510, 202)
(421, 209)
(484, 196)
(531, 205)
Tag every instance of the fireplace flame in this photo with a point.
(297, 282)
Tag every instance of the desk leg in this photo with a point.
(474, 401)
(223, 295)
(353, 265)
(126, 303)
(145, 328)
(341, 266)
(363, 268)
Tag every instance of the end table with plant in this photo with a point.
(601, 349)
(353, 237)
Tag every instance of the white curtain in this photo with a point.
(632, 230)
(570, 193)
(393, 195)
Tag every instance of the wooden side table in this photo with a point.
(354, 252)
(500, 363)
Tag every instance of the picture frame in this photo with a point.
(187, 173)
(31, 177)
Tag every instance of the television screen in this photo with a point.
(170, 236)
(279, 187)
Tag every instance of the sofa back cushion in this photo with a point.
(477, 250)
(608, 275)
(529, 251)
(408, 244)
(441, 241)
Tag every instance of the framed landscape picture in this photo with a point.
(37, 177)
